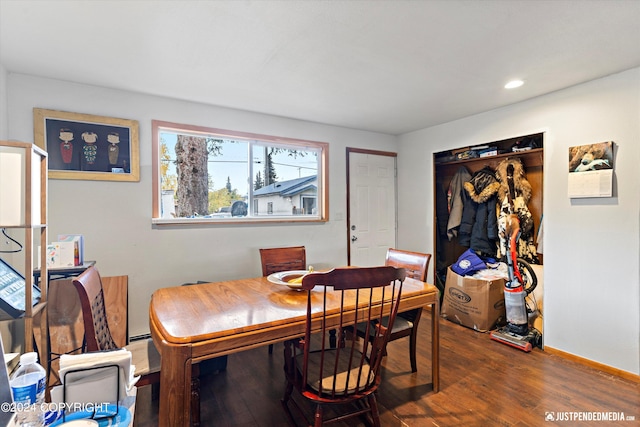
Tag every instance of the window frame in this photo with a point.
(158, 126)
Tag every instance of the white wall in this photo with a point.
(116, 217)
(4, 121)
(591, 246)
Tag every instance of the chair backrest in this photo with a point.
(96, 328)
(275, 260)
(352, 369)
(416, 264)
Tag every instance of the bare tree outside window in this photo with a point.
(191, 165)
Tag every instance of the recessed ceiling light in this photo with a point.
(513, 84)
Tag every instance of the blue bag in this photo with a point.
(468, 263)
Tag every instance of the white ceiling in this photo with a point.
(384, 66)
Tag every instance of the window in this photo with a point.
(211, 175)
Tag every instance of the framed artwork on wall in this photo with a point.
(591, 170)
(88, 147)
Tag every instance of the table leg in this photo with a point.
(435, 344)
(175, 386)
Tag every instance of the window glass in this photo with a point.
(206, 174)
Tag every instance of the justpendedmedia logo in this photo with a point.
(587, 416)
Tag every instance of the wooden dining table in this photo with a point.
(190, 324)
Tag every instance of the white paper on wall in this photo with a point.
(598, 183)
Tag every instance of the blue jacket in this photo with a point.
(479, 225)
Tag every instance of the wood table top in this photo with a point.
(211, 311)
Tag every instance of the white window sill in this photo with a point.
(237, 220)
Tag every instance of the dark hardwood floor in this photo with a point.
(483, 383)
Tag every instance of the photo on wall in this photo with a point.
(83, 146)
(591, 170)
(591, 157)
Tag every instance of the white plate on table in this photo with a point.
(284, 278)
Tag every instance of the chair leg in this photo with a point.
(270, 348)
(332, 338)
(413, 340)
(373, 404)
(412, 349)
(318, 416)
(287, 393)
(285, 403)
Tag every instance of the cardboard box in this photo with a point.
(474, 303)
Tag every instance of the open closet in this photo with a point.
(454, 167)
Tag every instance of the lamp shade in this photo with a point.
(16, 161)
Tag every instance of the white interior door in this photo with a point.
(372, 207)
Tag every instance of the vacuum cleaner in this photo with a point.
(517, 332)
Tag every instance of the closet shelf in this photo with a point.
(532, 158)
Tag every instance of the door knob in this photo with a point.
(354, 238)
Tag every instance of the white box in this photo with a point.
(78, 241)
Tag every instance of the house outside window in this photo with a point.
(211, 175)
(288, 197)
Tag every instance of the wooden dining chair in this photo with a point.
(406, 325)
(144, 354)
(275, 260)
(349, 374)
